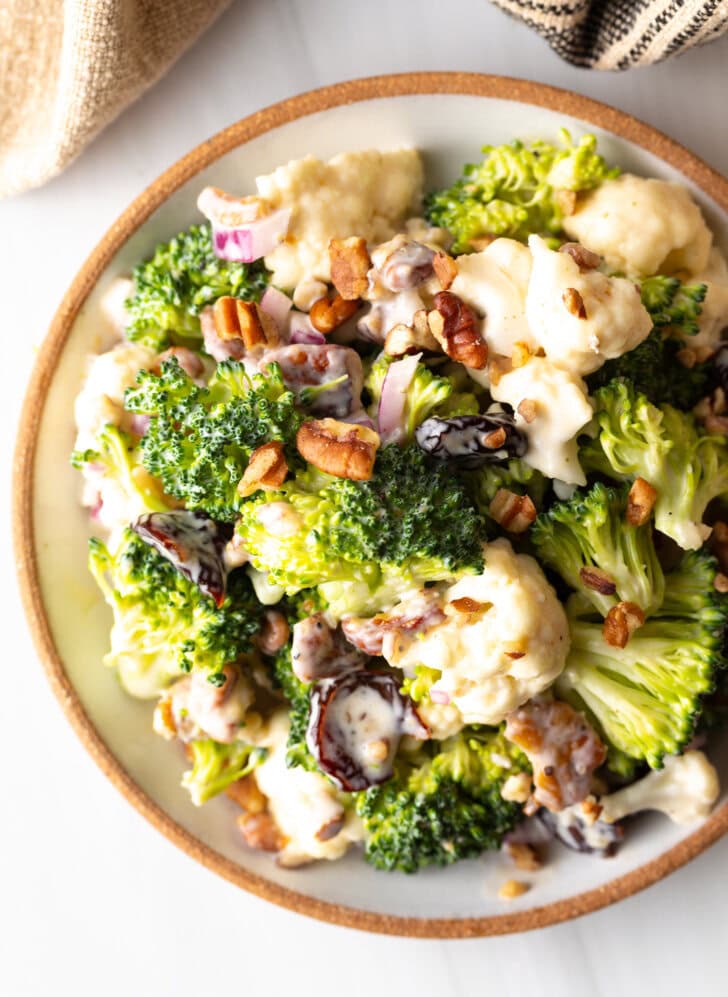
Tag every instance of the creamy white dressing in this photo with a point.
(368, 729)
(684, 790)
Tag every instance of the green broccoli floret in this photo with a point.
(163, 625)
(591, 531)
(172, 288)
(673, 304)
(655, 371)
(515, 190)
(215, 766)
(646, 697)
(116, 454)
(366, 541)
(443, 803)
(635, 438)
(516, 476)
(428, 394)
(199, 440)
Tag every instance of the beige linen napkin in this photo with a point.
(68, 67)
(621, 34)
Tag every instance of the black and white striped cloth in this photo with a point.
(621, 34)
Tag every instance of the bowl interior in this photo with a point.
(449, 129)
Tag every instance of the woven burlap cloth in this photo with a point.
(68, 67)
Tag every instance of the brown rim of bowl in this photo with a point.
(520, 91)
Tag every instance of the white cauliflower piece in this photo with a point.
(615, 319)
(368, 193)
(495, 658)
(101, 399)
(561, 410)
(684, 790)
(305, 806)
(713, 318)
(494, 283)
(642, 226)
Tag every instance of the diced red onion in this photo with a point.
(394, 397)
(252, 241)
(276, 304)
(439, 696)
(302, 332)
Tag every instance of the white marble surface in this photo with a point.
(92, 899)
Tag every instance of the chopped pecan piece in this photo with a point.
(590, 810)
(328, 314)
(496, 439)
(524, 856)
(720, 583)
(517, 788)
(598, 580)
(640, 502)
(520, 354)
(621, 622)
(563, 750)
(514, 513)
(581, 255)
(469, 606)
(446, 269)
(350, 264)
(712, 411)
(267, 468)
(402, 339)
(246, 794)
(338, 448)
(527, 409)
(236, 319)
(565, 201)
(498, 367)
(687, 357)
(512, 889)
(455, 327)
(274, 632)
(261, 831)
(574, 302)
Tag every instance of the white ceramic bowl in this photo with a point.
(448, 117)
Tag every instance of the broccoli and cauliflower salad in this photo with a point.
(409, 505)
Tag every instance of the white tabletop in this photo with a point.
(93, 901)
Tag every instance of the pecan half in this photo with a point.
(621, 622)
(236, 319)
(514, 513)
(574, 302)
(338, 448)
(328, 313)
(640, 502)
(455, 327)
(584, 257)
(446, 269)
(402, 339)
(598, 580)
(350, 264)
(267, 468)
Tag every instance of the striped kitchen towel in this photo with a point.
(621, 34)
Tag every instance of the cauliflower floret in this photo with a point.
(561, 409)
(713, 317)
(101, 399)
(615, 320)
(494, 283)
(642, 226)
(494, 658)
(685, 790)
(305, 806)
(368, 193)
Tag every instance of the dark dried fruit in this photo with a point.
(407, 267)
(355, 727)
(574, 831)
(468, 439)
(193, 543)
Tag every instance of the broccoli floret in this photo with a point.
(443, 803)
(215, 766)
(120, 459)
(428, 394)
(516, 476)
(635, 438)
(515, 190)
(199, 440)
(172, 288)
(591, 531)
(673, 304)
(655, 371)
(646, 697)
(163, 625)
(412, 522)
